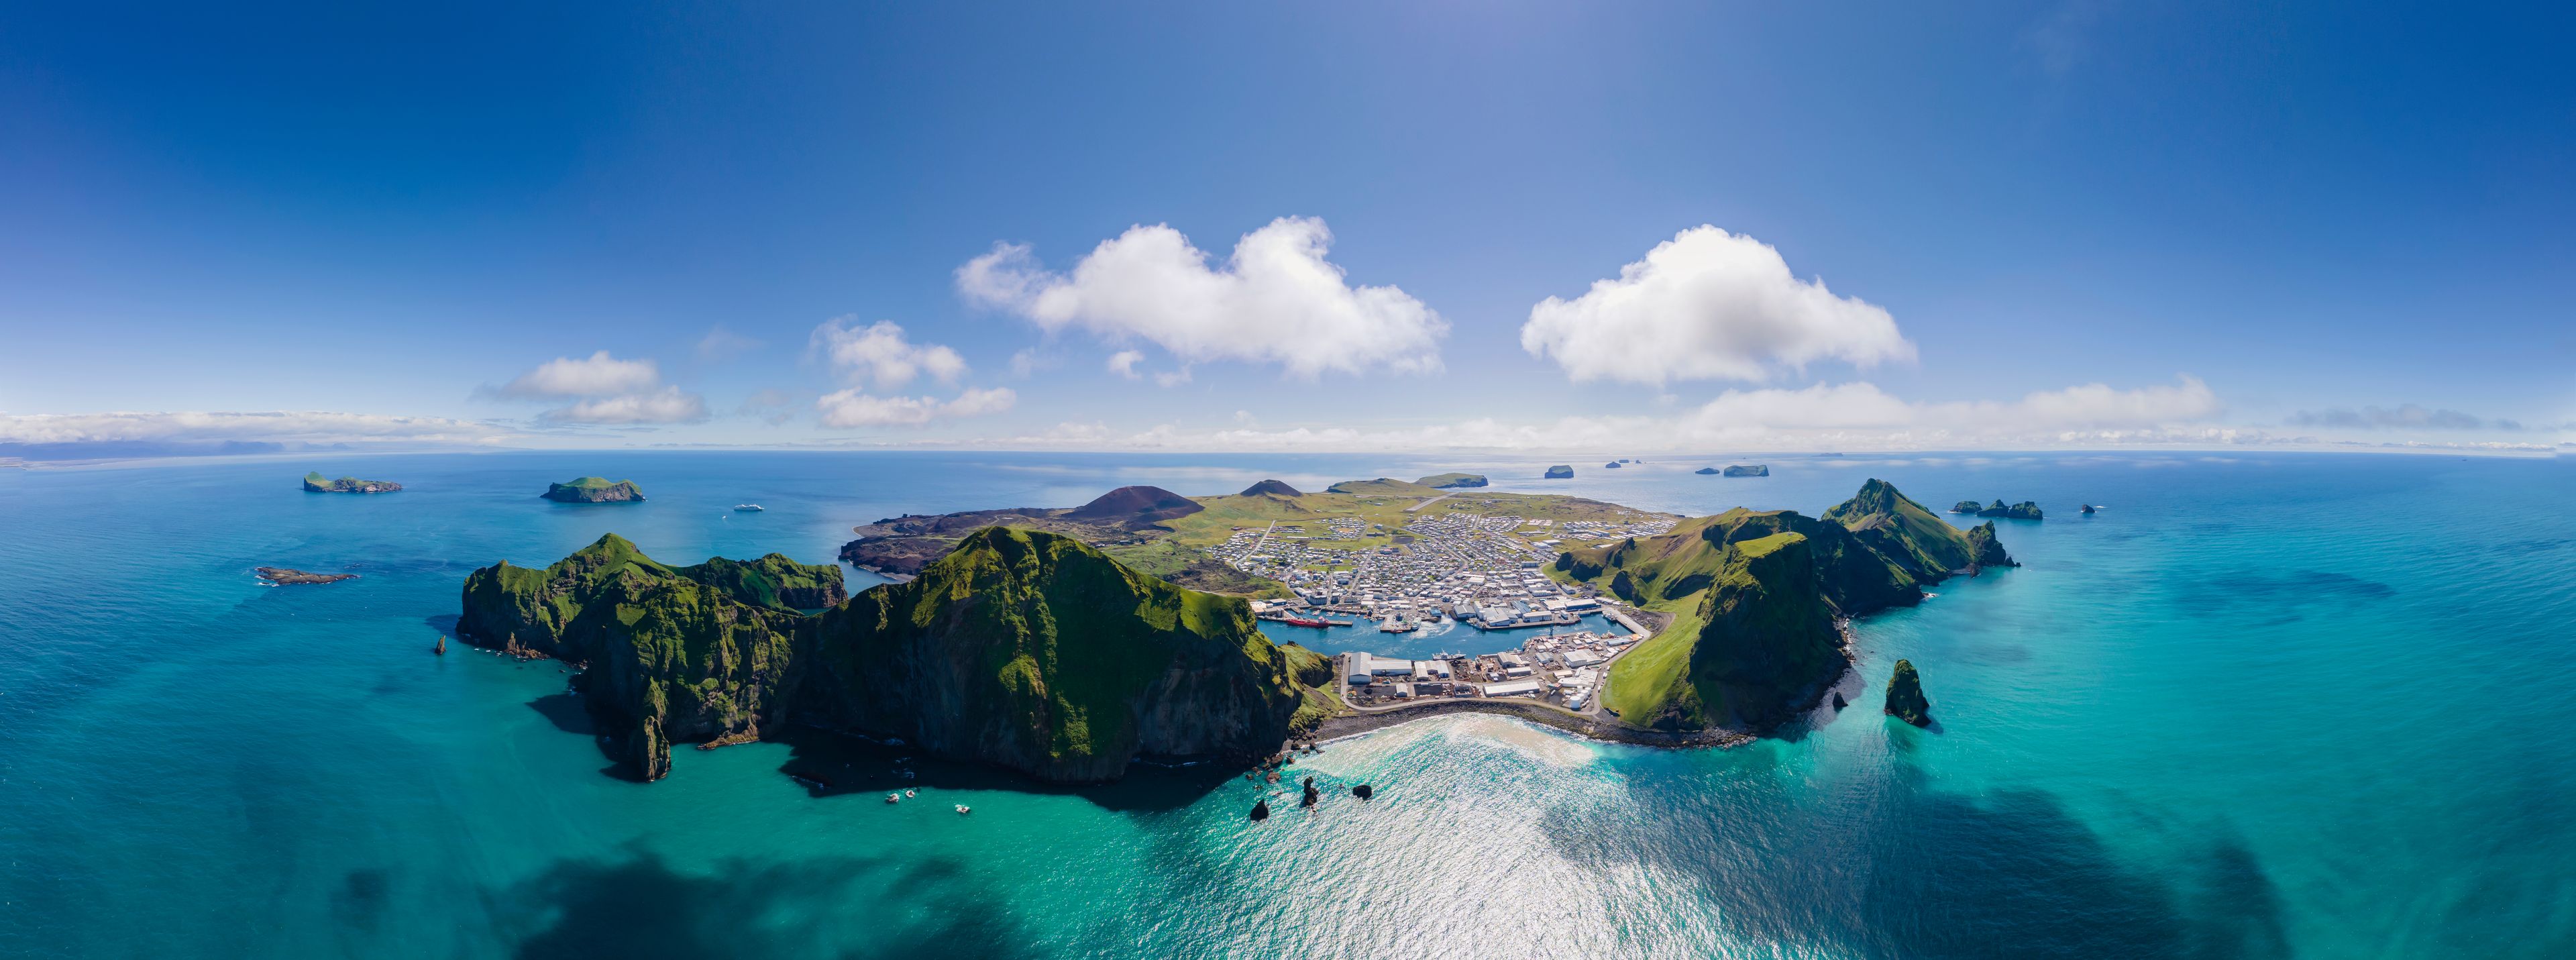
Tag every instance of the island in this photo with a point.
(1560, 472)
(1452, 481)
(1757, 600)
(2089, 510)
(284, 577)
(316, 483)
(1612, 465)
(1019, 648)
(2024, 510)
(1706, 471)
(1905, 696)
(594, 490)
(1749, 470)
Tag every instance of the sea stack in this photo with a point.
(1905, 696)
(1261, 811)
(1312, 794)
(1560, 472)
(1363, 791)
(441, 649)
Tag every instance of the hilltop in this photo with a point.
(1452, 481)
(1755, 596)
(1018, 648)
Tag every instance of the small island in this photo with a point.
(316, 483)
(594, 490)
(1452, 481)
(284, 577)
(1560, 472)
(2024, 510)
(1612, 465)
(1706, 471)
(1905, 696)
(1749, 470)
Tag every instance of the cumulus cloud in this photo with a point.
(880, 354)
(1708, 305)
(279, 426)
(853, 408)
(1275, 300)
(609, 391)
(2403, 417)
(1123, 363)
(667, 405)
(597, 375)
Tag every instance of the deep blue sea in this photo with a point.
(2265, 705)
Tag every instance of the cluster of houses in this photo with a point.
(1566, 668)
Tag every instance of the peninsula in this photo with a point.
(316, 483)
(1020, 648)
(594, 490)
(1452, 481)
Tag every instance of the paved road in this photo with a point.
(1417, 507)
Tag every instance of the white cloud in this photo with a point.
(1028, 361)
(880, 354)
(610, 391)
(852, 408)
(1854, 416)
(1275, 300)
(1123, 363)
(1172, 378)
(1706, 305)
(307, 426)
(667, 405)
(598, 375)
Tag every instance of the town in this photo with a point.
(1485, 571)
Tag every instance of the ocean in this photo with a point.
(2264, 705)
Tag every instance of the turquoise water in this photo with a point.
(2271, 705)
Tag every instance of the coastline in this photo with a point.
(1351, 725)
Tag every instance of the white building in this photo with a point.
(1514, 688)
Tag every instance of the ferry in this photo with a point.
(748, 507)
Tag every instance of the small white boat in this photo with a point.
(894, 798)
(909, 794)
(748, 507)
(962, 809)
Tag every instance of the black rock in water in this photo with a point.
(1261, 811)
(1905, 696)
(2088, 508)
(1839, 702)
(1363, 791)
(1312, 794)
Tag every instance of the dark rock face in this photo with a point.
(315, 483)
(1749, 470)
(1135, 506)
(1987, 551)
(1905, 696)
(594, 490)
(1311, 794)
(1022, 649)
(2024, 510)
(285, 577)
(1260, 811)
(1272, 488)
(1560, 472)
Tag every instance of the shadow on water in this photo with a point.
(833, 764)
(567, 712)
(444, 623)
(641, 906)
(1909, 870)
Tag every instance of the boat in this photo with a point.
(963, 809)
(748, 507)
(894, 798)
(909, 794)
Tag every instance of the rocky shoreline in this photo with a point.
(284, 577)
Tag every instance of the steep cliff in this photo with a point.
(1038, 653)
(1755, 594)
(1019, 648)
(674, 653)
(1986, 551)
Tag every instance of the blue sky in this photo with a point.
(2005, 225)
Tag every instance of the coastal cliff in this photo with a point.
(1019, 648)
(1984, 550)
(316, 483)
(1756, 596)
(594, 490)
(1905, 696)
